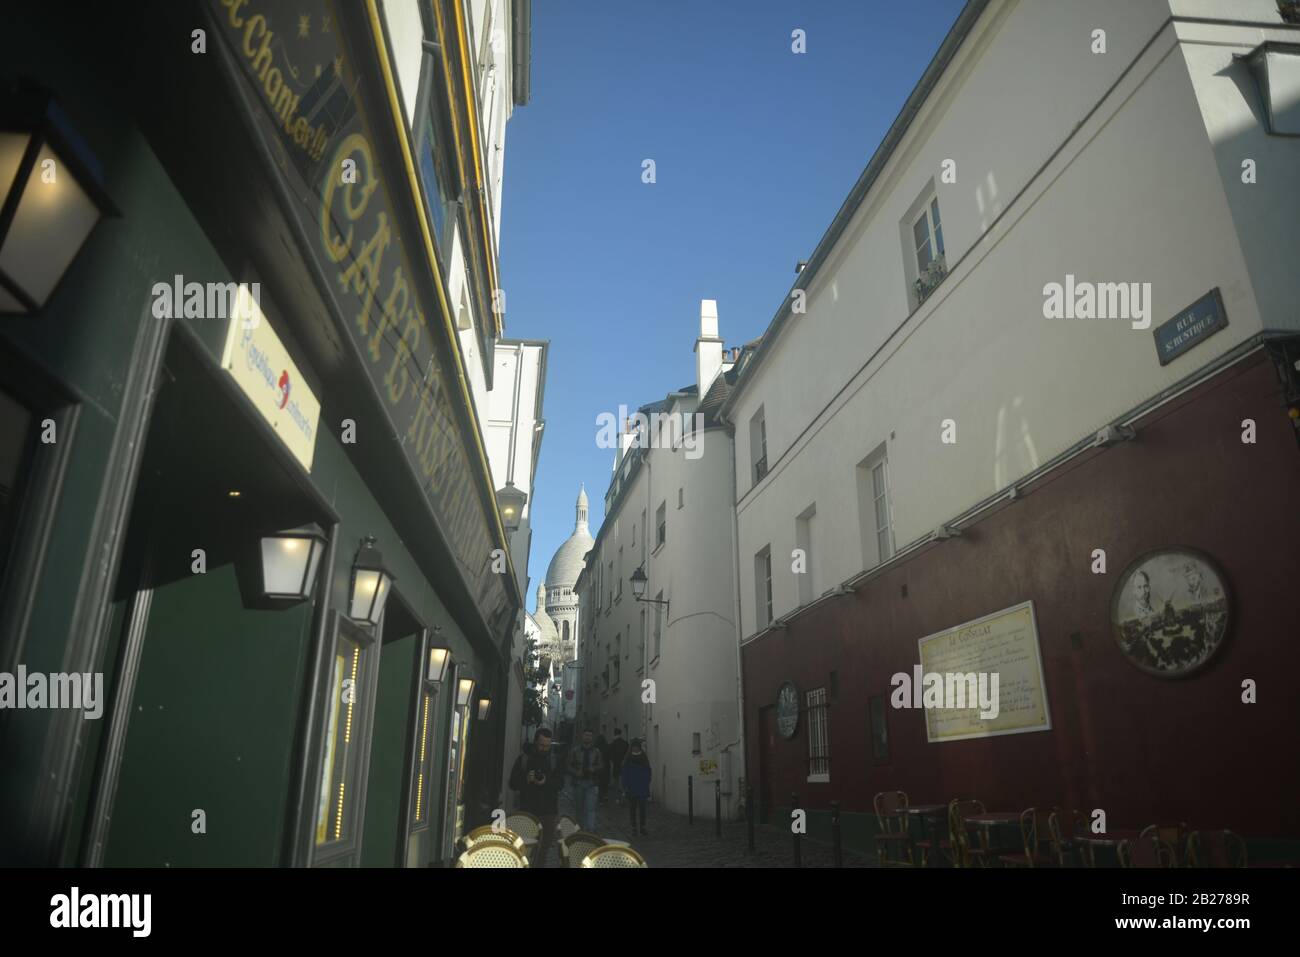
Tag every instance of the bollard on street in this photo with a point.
(798, 856)
(750, 813)
(835, 833)
(690, 799)
(717, 808)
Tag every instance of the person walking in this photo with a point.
(602, 778)
(537, 777)
(617, 752)
(635, 779)
(584, 766)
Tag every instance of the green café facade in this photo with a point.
(242, 477)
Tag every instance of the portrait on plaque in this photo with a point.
(1170, 611)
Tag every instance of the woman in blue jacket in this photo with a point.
(636, 783)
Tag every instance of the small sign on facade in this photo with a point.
(258, 361)
(1191, 327)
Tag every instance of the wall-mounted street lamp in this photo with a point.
(464, 692)
(484, 708)
(371, 583)
(51, 197)
(638, 581)
(511, 502)
(439, 662)
(290, 560)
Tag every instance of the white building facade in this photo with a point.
(916, 390)
(665, 669)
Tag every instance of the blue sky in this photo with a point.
(755, 148)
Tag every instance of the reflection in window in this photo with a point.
(433, 150)
(424, 768)
(332, 823)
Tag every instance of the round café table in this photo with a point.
(991, 819)
(927, 813)
(1090, 842)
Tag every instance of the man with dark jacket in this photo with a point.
(584, 767)
(636, 784)
(537, 777)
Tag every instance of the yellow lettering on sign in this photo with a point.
(356, 196)
(406, 347)
(236, 20)
(389, 312)
(362, 274)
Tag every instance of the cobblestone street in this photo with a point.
(672, 842)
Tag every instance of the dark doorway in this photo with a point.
(391, 742)
(196, 766)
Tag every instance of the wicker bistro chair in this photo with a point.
(891, 821)
(1036, 833)
(488, 834)
(566, 827)
(937, 842)
(958, 833)
(1065, 828)
(527, 827)
(1149, 850)
(524, 824)
(491, 854)
(612, 855)
(577, 846)
(1215, 849)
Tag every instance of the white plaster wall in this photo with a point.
(695, 674)
(1266, 213)
(1136, 195)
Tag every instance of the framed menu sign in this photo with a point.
(967, 658)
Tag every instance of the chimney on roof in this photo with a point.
(708, 347)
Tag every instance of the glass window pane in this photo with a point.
(921, 233)
(938, 238)
(333, 821)
(934, 212)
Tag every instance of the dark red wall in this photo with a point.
(1143, 748)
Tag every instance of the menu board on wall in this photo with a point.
(1004, 644)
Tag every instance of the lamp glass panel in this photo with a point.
(363, 593)
(438, 663)
(12, 148)
(52, 221)
(285, 561)
(381, 596)
(317, 550)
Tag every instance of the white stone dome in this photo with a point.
(567, 561)
(548, 633)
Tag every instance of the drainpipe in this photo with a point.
(740, 660)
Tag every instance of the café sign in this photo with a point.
(299, 70)
(259, 363)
